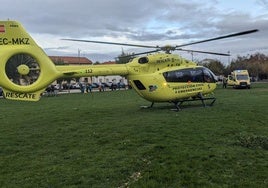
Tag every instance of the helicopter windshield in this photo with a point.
(200, 74)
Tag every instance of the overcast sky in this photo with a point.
(146, 22)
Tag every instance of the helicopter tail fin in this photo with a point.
(12, 33)
(21, 62)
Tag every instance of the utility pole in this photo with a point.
(79, 56)
(229, 58)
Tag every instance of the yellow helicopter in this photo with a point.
(26, 70)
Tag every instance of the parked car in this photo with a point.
(95, 85)
(106, 85)
(57, 86)
(121, 85)
(75, 86)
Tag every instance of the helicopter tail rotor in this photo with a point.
(22, 69)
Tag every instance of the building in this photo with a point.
(68, 60)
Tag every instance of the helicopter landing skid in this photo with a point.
(200, 98)
(148, 106)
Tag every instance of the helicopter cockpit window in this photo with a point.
(197, 75)
(209, 76)
(143, 60)
(184, 75)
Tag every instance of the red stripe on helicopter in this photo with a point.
(2, 29)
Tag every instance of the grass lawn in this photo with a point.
(106, 140)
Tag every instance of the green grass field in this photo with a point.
(106, 140)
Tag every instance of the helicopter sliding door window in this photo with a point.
(184, 75)
(189, 75)
(197, 75)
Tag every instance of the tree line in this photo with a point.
(256, 64)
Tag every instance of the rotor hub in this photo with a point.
(23, 69)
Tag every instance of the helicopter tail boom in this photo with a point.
(92, 70)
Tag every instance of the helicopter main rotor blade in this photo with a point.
(113, 43)
(147, 52)
(204, 52)
(218, 38)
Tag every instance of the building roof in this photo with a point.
(109, 62)
(69, 60)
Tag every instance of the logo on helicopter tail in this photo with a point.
(2, 29)
(22, 96)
